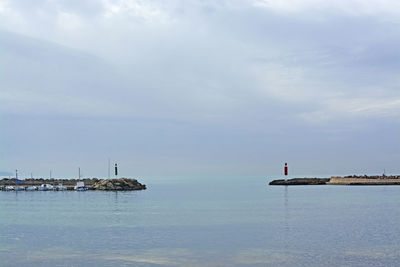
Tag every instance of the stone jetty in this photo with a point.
(120, 184)
(346, 180)
(300, 181)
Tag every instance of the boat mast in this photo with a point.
(109, 169)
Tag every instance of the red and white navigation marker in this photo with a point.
(286, 170)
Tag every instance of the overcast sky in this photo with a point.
(200, 87)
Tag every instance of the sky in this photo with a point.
(195, 88)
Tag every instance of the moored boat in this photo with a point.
(19, 188)
(46, 187)
(31, 188)
(60, 187)
(80, 186)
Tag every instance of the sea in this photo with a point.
(203, 221)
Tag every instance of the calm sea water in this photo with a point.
(209, 221)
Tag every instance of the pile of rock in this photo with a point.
(121, 184)
(300, 181)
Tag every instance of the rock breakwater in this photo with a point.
(122, 184)
(300, 181)
(346, 180)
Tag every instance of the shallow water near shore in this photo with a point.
(203, 221)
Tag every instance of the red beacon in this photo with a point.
(286, 169)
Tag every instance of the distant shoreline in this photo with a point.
(347, 180)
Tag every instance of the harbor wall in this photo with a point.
(363, 181)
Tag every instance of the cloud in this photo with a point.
(349, 7)
(235, 53)
(344, 109)
(242, 77)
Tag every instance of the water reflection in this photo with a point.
(116, 198)
(286, 225)
(199, 226)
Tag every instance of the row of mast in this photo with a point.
(79, 172)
